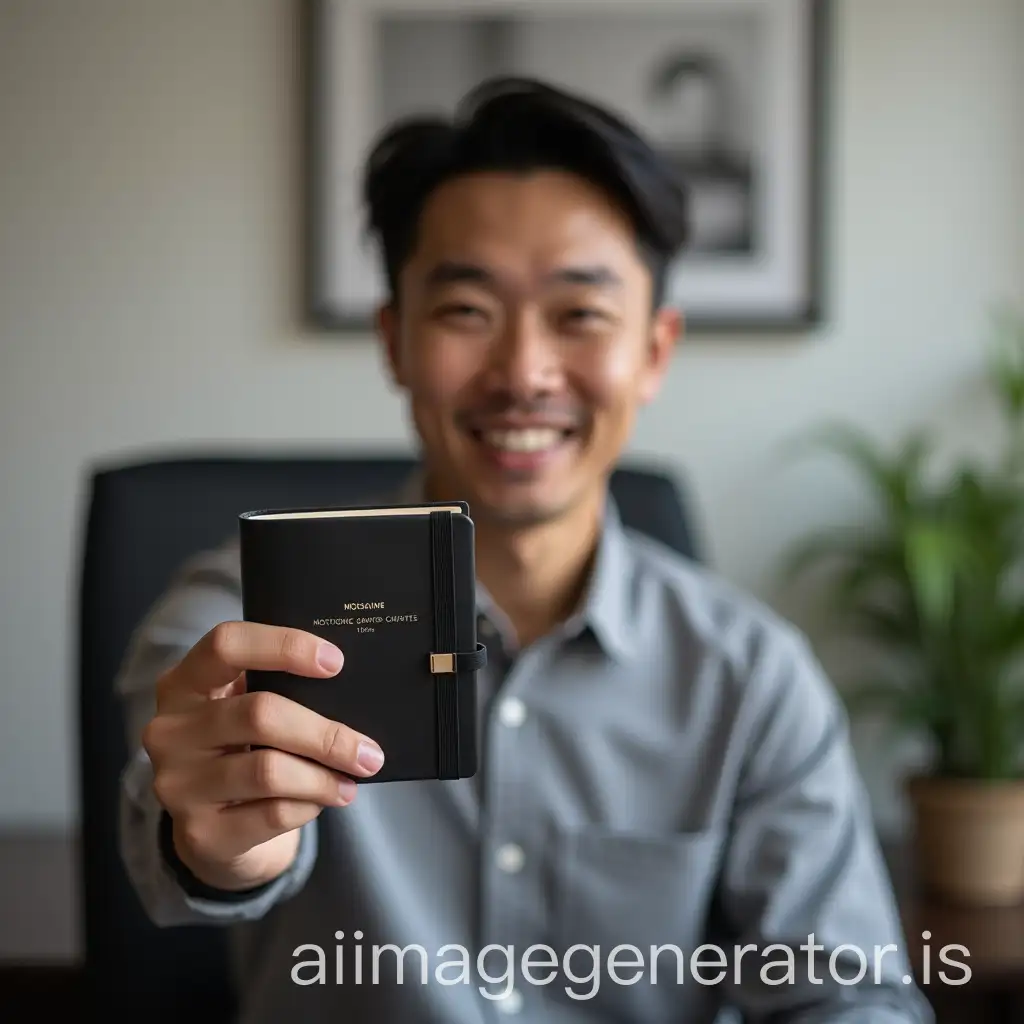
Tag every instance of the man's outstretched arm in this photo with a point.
(204, 594)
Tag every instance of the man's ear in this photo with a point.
(665, 333)
(389, 333)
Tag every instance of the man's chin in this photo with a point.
(518, 508)
(521, 517)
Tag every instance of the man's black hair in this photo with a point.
(518, 124)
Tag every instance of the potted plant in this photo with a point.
(936, 586)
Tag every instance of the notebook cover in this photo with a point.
(367, 585)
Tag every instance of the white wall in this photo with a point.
(148, 271)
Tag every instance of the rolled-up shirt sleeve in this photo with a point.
(804, 882)
(203, 594)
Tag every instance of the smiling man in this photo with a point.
(667, 821)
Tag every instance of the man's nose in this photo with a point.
(525, 358)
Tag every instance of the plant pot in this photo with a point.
(969, 839)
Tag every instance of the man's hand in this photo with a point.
(236, 811)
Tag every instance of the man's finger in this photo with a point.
(253, 775)
(245, 826)
(265, 719)
(232, 647)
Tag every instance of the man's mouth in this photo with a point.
(525, 440)
(523, 449)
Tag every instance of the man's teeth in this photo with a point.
(537, 439)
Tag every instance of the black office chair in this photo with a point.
(143, 520)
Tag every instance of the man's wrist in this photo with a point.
(192, 885)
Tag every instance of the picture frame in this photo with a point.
(733, 91)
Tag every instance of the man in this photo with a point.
(667, 820)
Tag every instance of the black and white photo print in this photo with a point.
(730, 90)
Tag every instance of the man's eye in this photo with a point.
(584, 316)
(462, 316)
(460, 309)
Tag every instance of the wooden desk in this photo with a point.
(994, 937)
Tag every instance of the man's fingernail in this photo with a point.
(346, 790)
(369, 757)
(328, 657)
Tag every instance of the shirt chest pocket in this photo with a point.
(614, 888)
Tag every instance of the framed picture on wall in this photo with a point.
(731, 91)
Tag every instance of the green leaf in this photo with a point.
(934, 556)
(1006, 636)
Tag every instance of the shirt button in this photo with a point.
(510, 858)
(511, 1003)
(512, 712)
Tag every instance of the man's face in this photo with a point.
(525, 339)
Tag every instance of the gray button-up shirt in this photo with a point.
(667, 771)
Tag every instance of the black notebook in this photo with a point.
(394, 586)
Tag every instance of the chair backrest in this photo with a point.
(143, 520)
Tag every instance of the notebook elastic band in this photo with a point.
(447, 661)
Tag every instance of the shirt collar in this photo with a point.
(607, 605)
